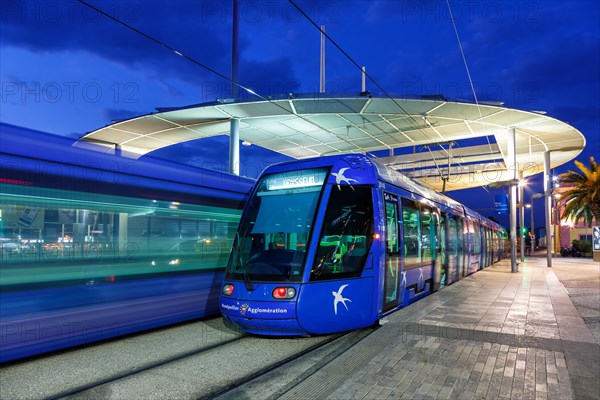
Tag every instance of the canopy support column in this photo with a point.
(512, 158)
(234, 125)
(234, 147)
(521, 216)
(235, 49)
(548, 208)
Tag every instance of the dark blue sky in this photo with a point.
(66, 69)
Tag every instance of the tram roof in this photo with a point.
(305, 126)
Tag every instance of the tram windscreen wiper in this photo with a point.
(246, 276)
(240, 266)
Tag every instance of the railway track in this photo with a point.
(291, 376)
(200, 360)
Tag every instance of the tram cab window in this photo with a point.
(272, 239)
(346, 235)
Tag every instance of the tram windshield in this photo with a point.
(272, 239)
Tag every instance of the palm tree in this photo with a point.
(583, 197)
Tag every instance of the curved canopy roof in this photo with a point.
(416, 133)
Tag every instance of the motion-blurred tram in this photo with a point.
(336, 243)
(94, 246)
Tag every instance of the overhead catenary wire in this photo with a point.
(462, 53)
(212, 70)
(436, 164)
(470, 81)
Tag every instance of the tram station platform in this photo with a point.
(534, 334)
(496, 334)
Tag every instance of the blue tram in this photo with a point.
(94, 246)
(335, 243)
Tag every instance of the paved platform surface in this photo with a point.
(492, 335)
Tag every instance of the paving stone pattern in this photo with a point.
(494, 335)
(455, 369)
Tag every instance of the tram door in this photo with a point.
(452, 257)
(428, 235)
(392, 253)
(462, 243)
(489, 247)
(440, 271)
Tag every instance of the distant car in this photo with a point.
(10, 247)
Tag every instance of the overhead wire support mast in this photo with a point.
(322, 62)
(450, 144)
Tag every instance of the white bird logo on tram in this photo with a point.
(337, 298)
(403, 281)
(339, 178)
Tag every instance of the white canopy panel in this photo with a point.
(317, 126)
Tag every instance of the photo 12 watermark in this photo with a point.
(469, 11)
(270, 11)
(69, 12)
(73, 92)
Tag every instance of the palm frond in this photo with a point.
(582, 199)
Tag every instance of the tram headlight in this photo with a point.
(284, 292)
(227, 290)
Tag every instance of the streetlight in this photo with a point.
(513, 217)
(533, 238)
(521, 185)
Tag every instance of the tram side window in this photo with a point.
(428, 238)
(391, 227)
(412, 228)
(452, 243)
(346, 235)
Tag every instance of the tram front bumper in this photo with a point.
(270, 318)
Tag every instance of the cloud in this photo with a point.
(560, 68)
(406, 11)
(268, 77)
(533, 55)
(46, 26)
(583, 112)
(213, 153)
(210, 153)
